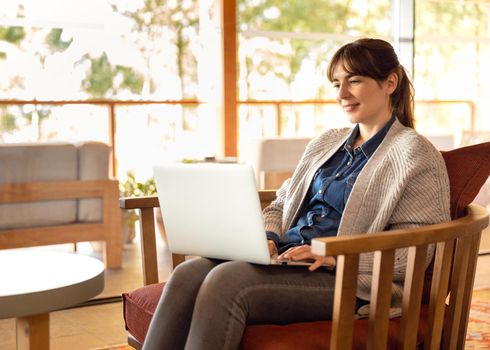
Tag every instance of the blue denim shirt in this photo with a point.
(329, 191)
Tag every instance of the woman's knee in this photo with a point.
(190, 272)
(228, 279)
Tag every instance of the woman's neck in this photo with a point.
(366, 131)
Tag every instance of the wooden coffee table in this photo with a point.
(33, 283)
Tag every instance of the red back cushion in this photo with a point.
(468, 169)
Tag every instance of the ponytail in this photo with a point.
(402, 99)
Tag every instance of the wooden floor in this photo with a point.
(92, 327)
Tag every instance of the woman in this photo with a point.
(380, 175)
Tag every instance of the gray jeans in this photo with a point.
(206, 304)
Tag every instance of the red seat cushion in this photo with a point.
(140, 304)
(468, 169)
(138, 308)
(316, 335)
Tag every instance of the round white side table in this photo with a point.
(33, 283)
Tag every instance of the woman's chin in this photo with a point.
(353, 118)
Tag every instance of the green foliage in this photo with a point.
(13, 35)
(298, 16)
(180, 17)
(3, 55)
(101, 78)
(42, 113)
(56, 42)
(132, 188)
(131, 80)
(452, 18)
(7, 120)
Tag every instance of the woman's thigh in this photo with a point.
(269, 294)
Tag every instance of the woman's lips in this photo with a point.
(350, 107)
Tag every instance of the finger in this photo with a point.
(330, 260)
(316, 264)
(301, 255)
(284, 255)
(302, 252)
(293, 251)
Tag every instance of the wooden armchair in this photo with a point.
(426, 319)
(457, 241)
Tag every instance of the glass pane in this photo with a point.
(112, 51)
(451, 53)
(284, 48)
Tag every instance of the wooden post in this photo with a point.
(229, 88)
(33, 332)
(112, 139)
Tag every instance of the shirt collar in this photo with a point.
(372, 144)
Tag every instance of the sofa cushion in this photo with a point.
(139, 307)
(468, 169)
(140, 304)
(316, 335)
(37, 162)
(93, 164)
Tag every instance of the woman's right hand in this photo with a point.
(272, 248)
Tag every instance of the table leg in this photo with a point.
(33, 332)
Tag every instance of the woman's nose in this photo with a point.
(342, 91)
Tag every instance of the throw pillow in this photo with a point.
(468, 169)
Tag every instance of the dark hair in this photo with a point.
(376, 58)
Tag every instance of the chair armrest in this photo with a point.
(139, 202)
(475, 220)
(456, 240)
(149, 260)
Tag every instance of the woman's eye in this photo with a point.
(353, 81)
(336, 86)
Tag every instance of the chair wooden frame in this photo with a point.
(456, 241)
(108, 230)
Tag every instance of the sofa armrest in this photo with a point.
(52, 190)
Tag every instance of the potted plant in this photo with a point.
(132, 188)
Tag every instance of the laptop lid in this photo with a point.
(212, 210)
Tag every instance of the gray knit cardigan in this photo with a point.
(403, 185)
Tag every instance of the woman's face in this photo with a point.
(362, 98)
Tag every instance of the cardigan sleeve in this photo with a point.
(274, 212)
(425, 201)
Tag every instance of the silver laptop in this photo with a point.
(213, 210)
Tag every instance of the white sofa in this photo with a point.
(53, 193)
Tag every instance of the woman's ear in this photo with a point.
(391, 83)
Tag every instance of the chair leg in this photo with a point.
(134, 343)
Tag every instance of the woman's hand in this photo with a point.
(272, 248)
(304, 253)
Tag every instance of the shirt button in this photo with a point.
(349, 163)
(337, 175)
(320, 191)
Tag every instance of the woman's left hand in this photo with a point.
(303, 252)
